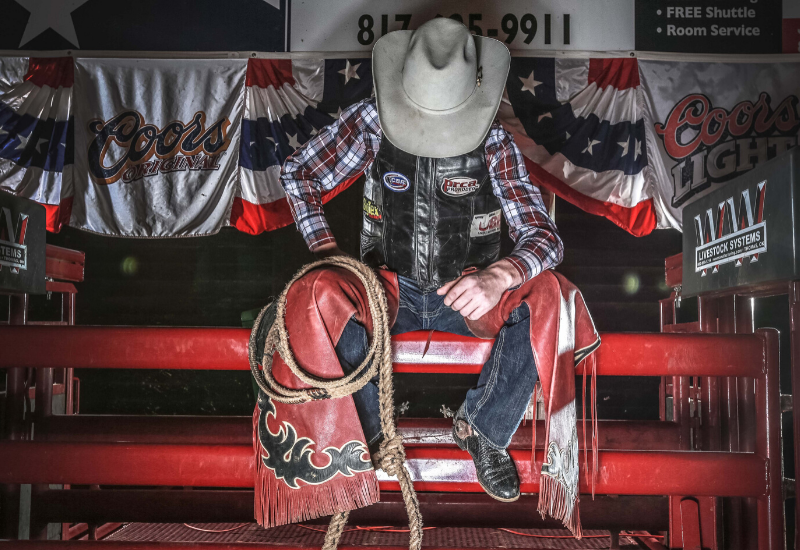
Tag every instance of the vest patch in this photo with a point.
(485, 224)
(372, 210)
(459, 186)
(396, 182)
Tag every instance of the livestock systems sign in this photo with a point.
(709, 26)
(746, 231)
(22, 245)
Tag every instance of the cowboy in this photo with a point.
(440, 172)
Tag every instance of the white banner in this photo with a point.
(599, 25)
(156, 145)
(715, 121)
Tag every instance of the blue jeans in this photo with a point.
(495, 407)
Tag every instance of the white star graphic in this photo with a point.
(42, 141)
(3, 132)
(349, 71)
(638, 150)
(293, 141)
(274, 3)
(23, 142)
(546, 115)
(624, 144)
(529, 84)
(272, 139)
(50, 14)
(592, 143)
(567, 134)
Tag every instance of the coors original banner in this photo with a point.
(713, 122)
(156, 145)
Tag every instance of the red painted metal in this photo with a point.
(123, 347)
(64, 264)
(690, 525)
(445, 353)
(438, 469)
(65, 254)
(221, 506)
(650, 542)
(768, 445)
(14, 421)
(794, 319)
(60, 287)
(679, 355)
(238, 430)
(673, 270)
(226, 349)
(44, 394)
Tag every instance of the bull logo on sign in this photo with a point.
(731, 234)
(13, 251)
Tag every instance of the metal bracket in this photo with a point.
(677, 291)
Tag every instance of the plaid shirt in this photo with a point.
(346, 149)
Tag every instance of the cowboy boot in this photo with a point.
(495, 468)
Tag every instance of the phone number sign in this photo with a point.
(352, 25)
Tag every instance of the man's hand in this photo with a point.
(475, 294)
(327, 250)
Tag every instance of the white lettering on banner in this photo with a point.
(520, 24)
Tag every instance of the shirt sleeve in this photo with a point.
(538, 246)
(340, 152)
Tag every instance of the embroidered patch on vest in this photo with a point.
(396, 181)
(459, 186)
(485, 224)
(372, 210)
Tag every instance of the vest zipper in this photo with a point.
(431, 216)
(416, 224)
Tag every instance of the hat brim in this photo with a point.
(436, 134)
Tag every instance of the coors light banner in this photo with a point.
(713, 122)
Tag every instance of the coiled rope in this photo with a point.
(391, 455)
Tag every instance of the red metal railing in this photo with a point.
(435, 466)
(62, 268)
(226, 349)
(727, 408)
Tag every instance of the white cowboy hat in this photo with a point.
(438, 88)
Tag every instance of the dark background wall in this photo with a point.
(209, 281)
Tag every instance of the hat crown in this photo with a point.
(441, 65)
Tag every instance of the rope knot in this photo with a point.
(391, 456)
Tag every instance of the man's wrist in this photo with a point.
(507, 272)
(327, 250)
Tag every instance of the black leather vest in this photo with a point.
(429, 219)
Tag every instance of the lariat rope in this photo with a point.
(391, 455)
